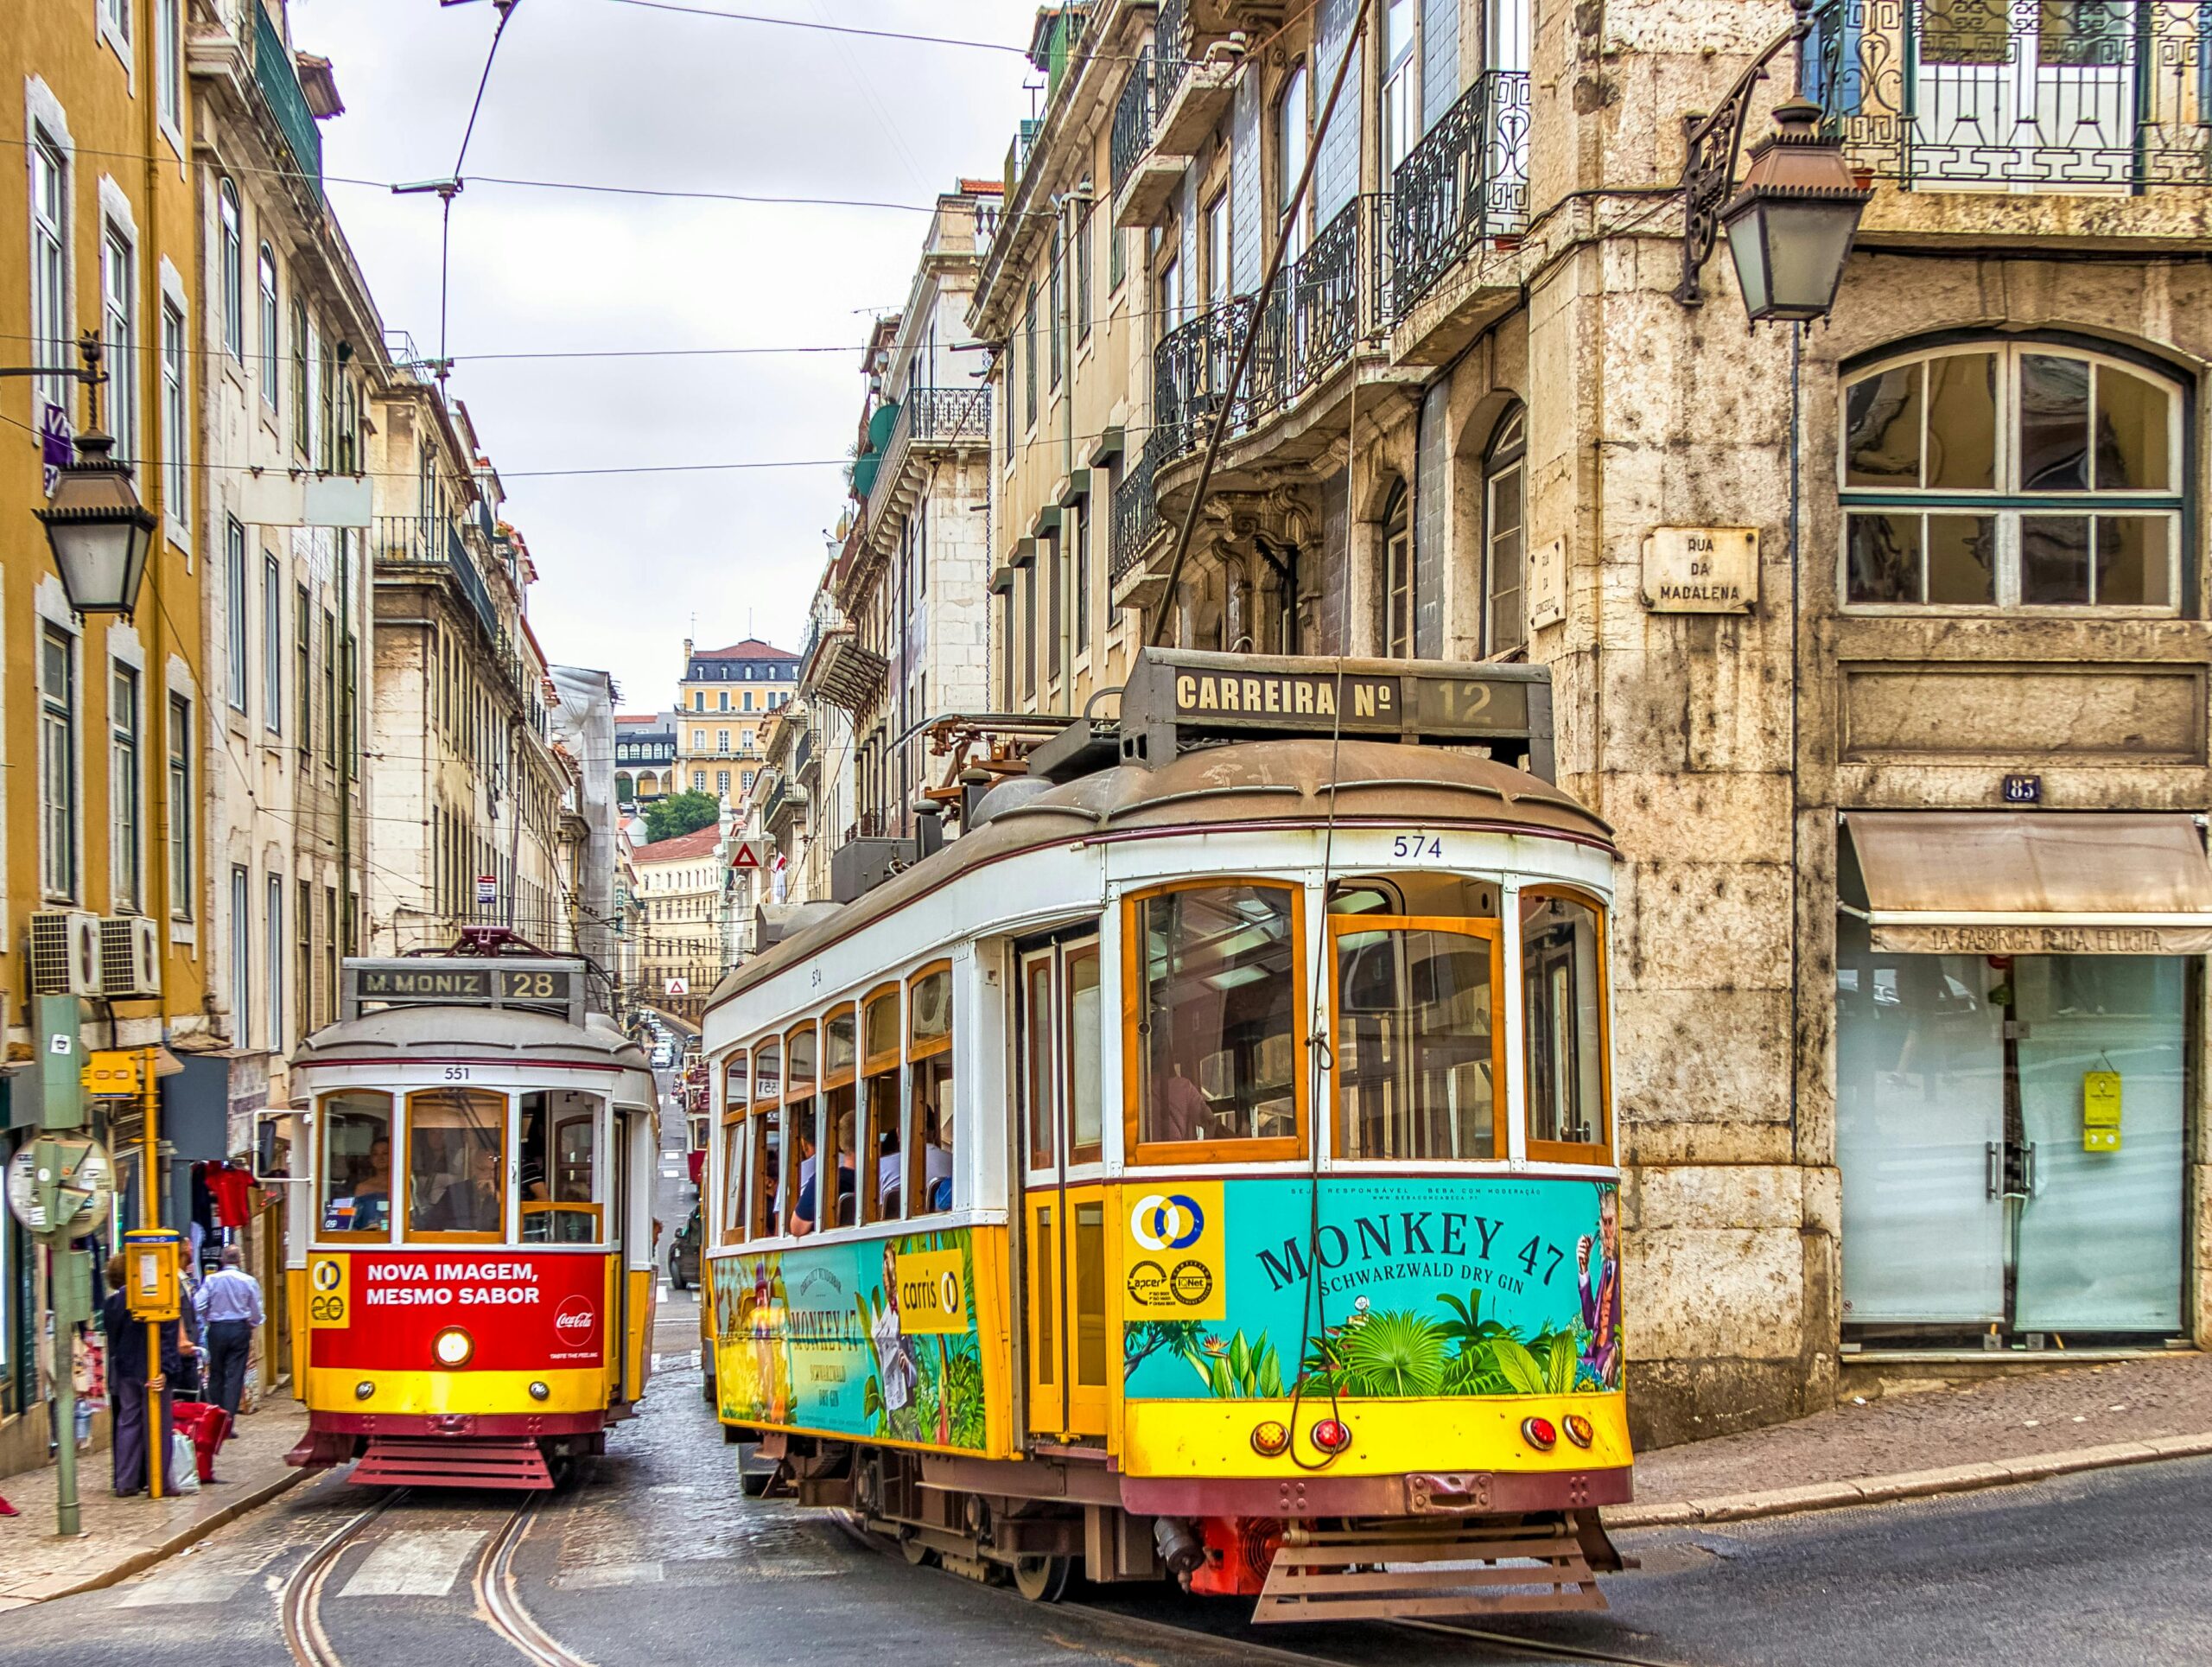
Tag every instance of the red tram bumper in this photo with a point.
(449, 1449)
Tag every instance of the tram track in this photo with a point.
(494, 1586)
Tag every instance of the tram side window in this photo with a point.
(457, 1163)
(560, 1168)
(1217, 1013)
(1563, 996)
(881, 1148)
(929, 1064)
(802, 1125)
(1417, 1041)
(356, 1164)
(840, 1117)
(737, 1090)
(767, 1205)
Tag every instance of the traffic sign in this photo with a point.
(745, 858)
(488, 888)
(678, 986)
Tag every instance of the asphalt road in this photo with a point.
(652, 1557)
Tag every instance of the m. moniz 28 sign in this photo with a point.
(544, 986)
(1199, 694)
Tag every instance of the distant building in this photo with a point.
(682, 887)
(724, 696)
(645, 757)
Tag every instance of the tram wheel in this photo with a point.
(914, 1551)
(1043, 1580)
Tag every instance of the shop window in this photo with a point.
(929, 1066)
(1212, 1034)
(883, 1146)
(1420, 1053)
(457, 1165)
(1563, 1002)
(560, 1168)
(2011, 475)
(356, 1200)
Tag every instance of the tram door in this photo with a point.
(1061, 1040)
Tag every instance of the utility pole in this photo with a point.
(69, 1282)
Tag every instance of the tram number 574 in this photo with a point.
(1417, 846)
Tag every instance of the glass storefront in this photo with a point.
(2010, 1130)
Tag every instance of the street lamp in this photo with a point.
(1791, 227)
(99, 531)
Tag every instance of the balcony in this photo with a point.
(1136, 525)
(1332, 298)
(1190, 94)
(1142, 176)
(2087, 97)
(932, 422)
(1466, 185)
(842, 672)
(431, 545)
(275, 73)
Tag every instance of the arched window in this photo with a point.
(2011, 474)
(233, 269)
(1504, 536)
(1397, 575)
(1292, 135)
(270, 350)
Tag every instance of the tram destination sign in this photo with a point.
(538, 986)
(1176, 697)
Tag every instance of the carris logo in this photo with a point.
(1166, 1221)
(575, 1319)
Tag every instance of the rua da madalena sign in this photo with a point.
(1701, 569)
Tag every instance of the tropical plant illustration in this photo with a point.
(942, 1405)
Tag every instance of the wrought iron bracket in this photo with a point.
(1713, 142)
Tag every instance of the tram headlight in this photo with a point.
(1577, 1429)
(1539, 1434)
(453, 1348)
(362, 1390)
(540, 1392)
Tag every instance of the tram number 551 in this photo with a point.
(1416, 846)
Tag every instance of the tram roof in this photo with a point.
(1208, 790)
(400, 1034)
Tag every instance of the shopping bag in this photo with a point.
(184, 1474)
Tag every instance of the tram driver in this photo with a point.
(372, 1189)
(476, 1204)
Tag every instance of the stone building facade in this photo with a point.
(721, 701)
(1907, 949)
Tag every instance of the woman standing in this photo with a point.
(129, 1382)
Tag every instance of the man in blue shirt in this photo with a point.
(230, 1308)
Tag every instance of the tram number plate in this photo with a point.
(1417, 847)
(329, 1285)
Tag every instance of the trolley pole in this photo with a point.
(157, 1432)
(69, 1285)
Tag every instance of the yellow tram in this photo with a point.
(472, 1284)
(1203, 1168)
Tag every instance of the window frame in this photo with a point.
(271, 326)
(119, 338)
(272, 644)
(1492, 929)
(917, 1051)
(2007, 503)
(393, 1100)
(1138, 1154)
(60, 858)
(1505, 457)
(1398, 576)
(404, 1218)
(176, 417)
(231, 232)
(126, 880)
(764, 1214)
(1602, 1153)
(181, 806)
(53, 270)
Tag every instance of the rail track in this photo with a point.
(499, 1604)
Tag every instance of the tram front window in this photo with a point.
(560, 1168)
(1563, 980)
(356, 1165)
(1417, 1043)
(1218, 1059)
(456, 1164)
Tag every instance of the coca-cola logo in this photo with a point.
(575, 1321)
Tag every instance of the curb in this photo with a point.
(1906, 1485)
(197, 1530)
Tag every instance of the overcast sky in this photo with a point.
(607, 92)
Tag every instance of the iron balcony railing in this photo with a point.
(1466, 181)
(433, 542)
(1332, 297)
(2068, 95)
(278, 78)
(1169, 61)
(928, 416)
(1136, 514)
(1132, 132)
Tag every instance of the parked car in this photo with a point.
(684, 1255)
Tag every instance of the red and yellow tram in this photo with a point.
(471, 1287)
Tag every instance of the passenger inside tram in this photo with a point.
(473, 1205)
(372, 1188)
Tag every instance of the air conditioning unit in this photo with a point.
(64, 953)
(130, 958)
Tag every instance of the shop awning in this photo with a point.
(2034, 882)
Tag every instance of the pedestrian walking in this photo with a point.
(130, 1377)
(230, 1308)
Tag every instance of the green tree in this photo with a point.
(680, 814)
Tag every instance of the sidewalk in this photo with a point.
(122, 1536)
(1937, 1440)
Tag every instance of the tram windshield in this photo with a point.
(456, 1164)
(1562, 971)
(356, 1164)
(1417, 1043)
(1217, 1059)
(560, 1168)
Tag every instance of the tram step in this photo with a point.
(1403, 1570)
(437, 1461)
